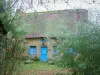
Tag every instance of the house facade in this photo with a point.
(37, 42)
(38, 45)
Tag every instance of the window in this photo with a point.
(32, 50)
(44, 40)
(71, 50)
(55, 50)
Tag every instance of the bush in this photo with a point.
(28, 61)
(51, 62)
(25, 58)
(35, 58)
(85, 40)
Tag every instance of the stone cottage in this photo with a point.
(37, 42)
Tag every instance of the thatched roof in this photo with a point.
(38, 22)
(35, 36)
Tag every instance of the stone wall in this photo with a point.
(37, 42)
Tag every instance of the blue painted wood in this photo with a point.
(44, 56)
(71, 50)
(32, 50)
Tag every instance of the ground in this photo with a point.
(40, 68)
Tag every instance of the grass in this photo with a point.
(39, 66)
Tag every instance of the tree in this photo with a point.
(13, 46)
(85, 42)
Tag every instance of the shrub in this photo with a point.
(28, 61)
(24, 57)
(85, 40)
(35, 58)
(51, 62)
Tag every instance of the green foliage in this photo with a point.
(28, 61)
(35, 58)
(24, 57)
(51, 62)
(84, 39)
(14, 43)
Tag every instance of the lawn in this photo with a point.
(39, 66)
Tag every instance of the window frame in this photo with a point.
(33, 51)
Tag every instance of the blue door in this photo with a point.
(32, 50)
(43, 55)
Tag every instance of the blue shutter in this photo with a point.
(32, 50)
